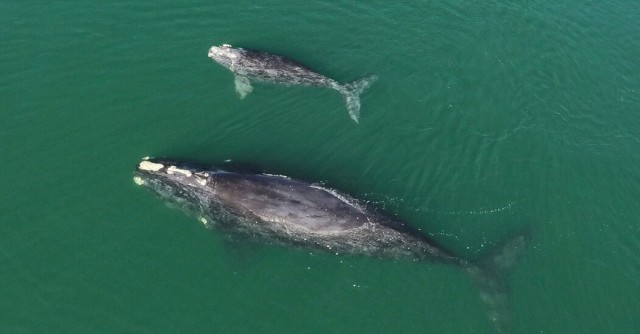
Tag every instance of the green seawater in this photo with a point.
(488, 117)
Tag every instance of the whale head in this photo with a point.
(224, 54)
(180, 184)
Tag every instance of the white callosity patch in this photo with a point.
(138, 180)
(201, 181)
(219, 53)
(201, 178)
(150, 166)
(173, 169)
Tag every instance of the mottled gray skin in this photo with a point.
(252, 65)
(262, 66)
(282, 210)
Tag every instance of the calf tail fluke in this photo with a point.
(490, 276)
(351, 93)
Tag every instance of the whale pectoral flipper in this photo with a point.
(243, 85)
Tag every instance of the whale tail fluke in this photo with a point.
(490, 276)
(351, 93)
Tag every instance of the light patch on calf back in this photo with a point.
(150, 166)
(174, 169)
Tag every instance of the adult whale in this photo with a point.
(278, 209)
(249, 65)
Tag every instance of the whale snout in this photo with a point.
(212, 51)
(164, 167)
(170, 173)
(223, 54)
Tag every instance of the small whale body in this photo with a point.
(249, 65)
(280, 210)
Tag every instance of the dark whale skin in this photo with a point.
(280, 210)
(275, 208)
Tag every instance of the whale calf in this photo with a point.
(249, 65)
(281, 210)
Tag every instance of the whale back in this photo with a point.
(293, 203)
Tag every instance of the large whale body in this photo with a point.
(249, 65)
(277, 209)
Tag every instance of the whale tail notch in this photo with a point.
(351, 93)
(489, 274)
